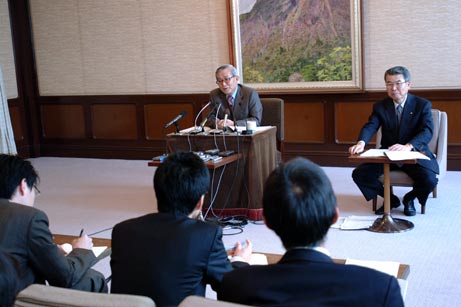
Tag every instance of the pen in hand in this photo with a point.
(81, 232)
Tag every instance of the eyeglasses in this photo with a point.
(225, 80)
(397, 84)
(37, 191)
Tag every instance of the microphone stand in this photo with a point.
(177, 127)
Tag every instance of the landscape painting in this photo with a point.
(305, 45)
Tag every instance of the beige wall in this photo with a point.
(128, 46)
(6, 52)
(173, 46)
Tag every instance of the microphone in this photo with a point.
(216, 117)
(224, 126)
(183, 113)
(203, 122)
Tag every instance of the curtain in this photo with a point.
(7, 144)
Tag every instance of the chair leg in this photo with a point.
(375, 200)
(423, 209)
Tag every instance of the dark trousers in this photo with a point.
(366, 177)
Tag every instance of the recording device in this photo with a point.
(175, 120)
(226, 153)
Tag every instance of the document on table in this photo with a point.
(388, 267)
(394, 155)
(405, 155)
(256, 258)
(354, 222)
(97, 250)
(374, 153)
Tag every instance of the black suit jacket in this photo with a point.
(416, 127)
(167, 257)
(310, 278)
(247, 106)
(25, 235)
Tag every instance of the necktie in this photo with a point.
(230, 100)
(398, 112)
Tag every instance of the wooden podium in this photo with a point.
(237, 184)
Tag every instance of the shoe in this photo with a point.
(409, 207)
(395, 203)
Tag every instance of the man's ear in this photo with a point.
(22, 188)
(336, 217)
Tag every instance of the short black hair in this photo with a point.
(12, 170)
(398, 70)
(180, 181)
(299, 203)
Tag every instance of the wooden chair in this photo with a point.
(438, 145)
(273, 115)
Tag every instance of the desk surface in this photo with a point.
(404, 269)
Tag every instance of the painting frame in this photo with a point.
(344, 86)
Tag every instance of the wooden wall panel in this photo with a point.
(114, 121)
(349, 119)
(63, 121)
(453, 110)
(305, 123)
(16, 123)
(156, 116)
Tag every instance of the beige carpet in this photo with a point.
(95, 194)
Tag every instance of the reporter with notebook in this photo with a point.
(299, 205)
(406, 124)
(25, 235)
(172, 254)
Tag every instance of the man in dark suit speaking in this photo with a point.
(25, 236)
(172, 254)
(406, 124)
(300, 206)
(239, 102)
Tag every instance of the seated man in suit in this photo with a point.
(300, 206)
(172, 254)
(24, 235)
(239, 102)
(9, 280)
(406, 124)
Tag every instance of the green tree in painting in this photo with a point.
(336, 66)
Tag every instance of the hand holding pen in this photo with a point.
(83, 241)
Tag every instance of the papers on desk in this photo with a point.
(355, 222)
(394, 155)
(388, 267)
(97, 250)
(256, 258)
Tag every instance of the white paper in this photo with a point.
(374, 153)
(97, 250)
(355, 222)
(388, 267)
(405, 155)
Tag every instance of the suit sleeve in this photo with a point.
(218, 263)
(57, 269)
(424, 129)
(394, 294)
(255, 110)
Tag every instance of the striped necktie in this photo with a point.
(230, 100)
(398, 112)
